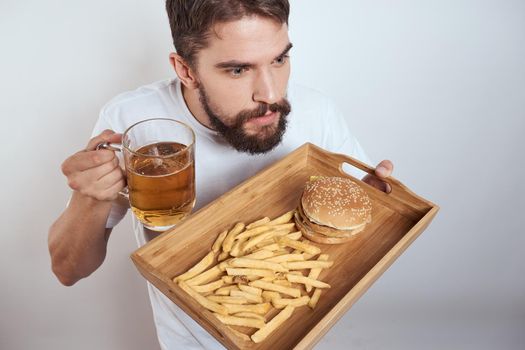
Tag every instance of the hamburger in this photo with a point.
(333, 210)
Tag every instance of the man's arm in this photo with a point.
(78, 238)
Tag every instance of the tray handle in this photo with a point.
(340, 159)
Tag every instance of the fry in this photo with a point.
(250, 297)
(237, 247)
(222, 256)
(208, 304)
(258, 223)
(308, 256)
(198, 268)
(286, 258)
(227, 299)
(286, 217)
(268, 279)
(305, 247)
(258, 264)
(256, 308)
(293, 292)
(210, 287)
(205, 277)
(309, 264)
(315, 272)
(250, 315)
(271, 247)
(268, 296)
(249, 272)
(257, 239)
(294, 235)
(280, 303)
(226, 290)
(305, 280)
(242, 279)
(227, 279)
(240, 321)
(315, 298)
(251, 290)
(223, 265)
(230, 237)
(218, 242)
(282, 316)
(259, 254)
(253, 232)
(285, 283)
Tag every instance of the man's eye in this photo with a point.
(236, 72)
(281, 60)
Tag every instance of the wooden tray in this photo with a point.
(398, 218)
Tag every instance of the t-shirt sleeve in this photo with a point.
(120, 206)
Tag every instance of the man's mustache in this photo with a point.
(283, 107)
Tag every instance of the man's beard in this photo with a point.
(264, 141)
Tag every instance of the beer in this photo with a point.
(161, 183)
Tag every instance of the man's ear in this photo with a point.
(185, 73)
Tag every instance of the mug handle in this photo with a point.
(116, 148)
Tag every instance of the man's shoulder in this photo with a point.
(142, 96)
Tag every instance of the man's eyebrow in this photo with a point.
(239, 64)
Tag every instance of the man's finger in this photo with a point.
(384, 169)
(83, 160)
(377, 183)
(105, 136)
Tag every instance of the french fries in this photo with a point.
(261, 309)
(315, 298)
(305, 247)
(247, 296)
(252, 269)
(205, 277)
(251, 290)
(208, 304)
(248, 272)
(240, 321)
(198, 268)
(258, 223)
(218, 242)
(309, 264)
(293, 292)
(227, 299)
(250, 315)
(257, 264)
(306, 280)
(315, 272)
(210, 287)
(280, 303)
(268, 328)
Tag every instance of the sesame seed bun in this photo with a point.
(337, 203)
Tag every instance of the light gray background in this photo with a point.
(436, 86)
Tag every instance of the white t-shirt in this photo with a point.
(219, 168)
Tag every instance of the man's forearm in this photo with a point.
(78, 238)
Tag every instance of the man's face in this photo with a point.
(243, 76)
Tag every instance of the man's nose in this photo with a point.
(265, 88)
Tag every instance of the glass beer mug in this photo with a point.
(159, 157)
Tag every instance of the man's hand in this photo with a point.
(383, 170)
(96, 173)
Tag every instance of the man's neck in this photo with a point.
(191, 98)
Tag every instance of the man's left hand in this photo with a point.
(383, 170)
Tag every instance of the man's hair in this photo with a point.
(192, 20)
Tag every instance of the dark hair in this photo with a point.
(191, 20)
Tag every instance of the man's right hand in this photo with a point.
(96, 173)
